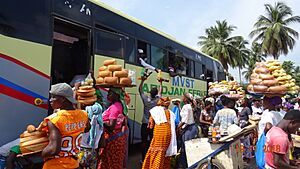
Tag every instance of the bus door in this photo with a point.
(71, 52)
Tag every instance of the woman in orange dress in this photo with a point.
(163, 144)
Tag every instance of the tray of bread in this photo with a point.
(33, 140)
(270, 79)
(113, 75)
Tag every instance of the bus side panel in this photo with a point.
(24, 77)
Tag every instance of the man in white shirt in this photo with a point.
(256, 107)
(270, 116)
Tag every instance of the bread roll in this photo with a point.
(260, 88)
(266, 76)
(114, 68)
(31, 128)
(111, 80)
(272, 68)
(272, 82)
(103, 68)
(255, 81)
(262, 70)
(125, 81)
(88, 102)
(99, 80)
(105, 73)
(85, 87)
(121, 73)
(109, 62)
(277, 89)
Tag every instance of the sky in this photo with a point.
(186, 20)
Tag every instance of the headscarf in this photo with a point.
(164, 102)
(276, 100)
(92, 111)
(121, 93)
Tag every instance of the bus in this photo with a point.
(50, 41)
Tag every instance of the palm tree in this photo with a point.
(256, 55)
(273, 32)
(289, 67)
(296, 75)
(242, 53)
(218, 43)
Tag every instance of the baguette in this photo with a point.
(33, 148)
(103, 68)
(109, 62)
(111, 80)
(105, 73)
(125, 81)
(36, 133)
(34, 141)
(114, 68)
(122, 73)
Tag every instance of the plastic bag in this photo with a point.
(259, 153)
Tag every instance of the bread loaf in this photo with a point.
(114, 68)
(125, 81)
(33, 148)
(109, 62)
(272, 82)
(36, 133)
(262, 70)
(122, 73)
(99, 80)
(260, 88)
(277, 89)
(33, 141)
(256, 81)
(86, 94)
(105, 73)
(103, 68)
(266, 76)
(111, 80)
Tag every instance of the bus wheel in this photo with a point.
(214, 162)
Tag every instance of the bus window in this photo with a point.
(158, 58)
(143, 51)
(198, 70)
(191, 68)
(109, 44)
(178, 63)
(130, 50)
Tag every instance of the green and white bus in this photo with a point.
(43, 42)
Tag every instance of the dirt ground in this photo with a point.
(134, 159)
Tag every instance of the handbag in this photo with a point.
(259, 153)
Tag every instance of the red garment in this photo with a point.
(276, 142)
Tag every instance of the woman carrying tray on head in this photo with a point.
(115, 131)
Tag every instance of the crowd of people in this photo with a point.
(96, 136)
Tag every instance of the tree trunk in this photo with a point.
(240, 76)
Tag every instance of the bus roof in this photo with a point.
(147, 26)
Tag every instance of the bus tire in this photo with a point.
(216, 164)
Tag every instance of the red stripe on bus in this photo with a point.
(19, 95)
(24, 65)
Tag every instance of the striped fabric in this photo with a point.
(155, 157)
